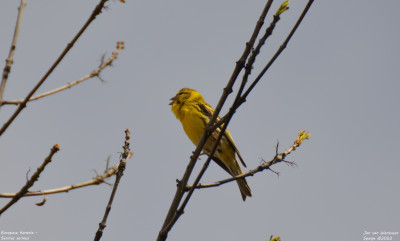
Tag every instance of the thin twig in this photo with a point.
(180, 210)
(10, 59)
(95, 181)
(266, 165)
(278, 52)
(255, 52)
(240, 99)
(95, 12)
(32, 180)
(246, 74)
(226, 121)
(124, 157)
(227, 90)
(95, 73)
(175, 213)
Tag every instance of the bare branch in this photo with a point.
(226, 121)
(124, 157)
(174, 212)
(227, 90)
(247, 73)
(10, 59)
(95, 12)
(266, 165)
(95, 181)
(32, 180)
(180, 210)
(278, 52)
(255, 52)
(95, 73)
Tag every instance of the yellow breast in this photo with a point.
(192, 122)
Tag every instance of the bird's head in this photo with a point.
(185, 95)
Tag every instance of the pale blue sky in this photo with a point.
(338, 79)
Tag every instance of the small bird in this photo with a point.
(194, 113)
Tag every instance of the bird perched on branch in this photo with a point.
(194, 113)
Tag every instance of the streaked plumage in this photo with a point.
(194, 113)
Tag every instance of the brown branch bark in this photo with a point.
(10, 59)
(175, 212)
(227, 119)
(32, 180)
(95, 181)
(227, 90)
(248, 67)
(240, 99)
(92, 17)
(95, 73)
(181, 208)
(124, 157)
(266, 165)
(278, 52)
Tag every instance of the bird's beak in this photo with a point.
(172, 100)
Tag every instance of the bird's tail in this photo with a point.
(234, 169)
(244, 188)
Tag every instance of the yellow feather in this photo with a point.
(194, 114)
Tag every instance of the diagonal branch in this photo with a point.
(181, 208)
(31, 181)
(95, 73)
(92, 17)
(240, 99)
(248, 67)
(10, 59)
(95, 181)
(255, 52)
(266, 165)
(124, 157)
(227, 90)
(174, 213)
(227, 120)
(278, 52)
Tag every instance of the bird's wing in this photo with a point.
(209, 111)
(230, 139)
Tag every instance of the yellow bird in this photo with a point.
(194, 113)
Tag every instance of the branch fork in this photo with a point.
(177, 205)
